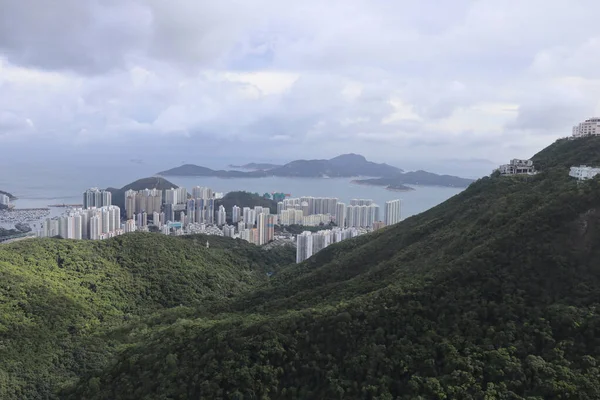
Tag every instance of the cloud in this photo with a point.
(395, 81)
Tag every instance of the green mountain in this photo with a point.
(67, 306)
(155, 182)
(493, 294)
(245, 199)
(398, 182)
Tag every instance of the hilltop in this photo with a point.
(346, 165)
(155, 182)
(66, 306)
(492, 294)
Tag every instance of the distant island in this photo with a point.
(343, 166)
(420, 177)
(393, 188)
(256, 166)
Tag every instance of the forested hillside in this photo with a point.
(493, 294)
(63, 303)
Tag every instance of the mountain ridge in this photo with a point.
(345, 165)
(491, 294)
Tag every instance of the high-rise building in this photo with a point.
(235, 214)
(130, 226)
(266, 228)
(156, 219)
(361, 202)
(221, 216)
(340, 215)
(228, 231)
(304, 246)
(280, 207)
(191, 211)
(96, 198)
(130, 198)
(249, 217)
(378, 225)
(392, 212)
(171, 196)
(200, 192)
(170, 212)
(241, 226)
(4, 200)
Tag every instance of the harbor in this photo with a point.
(9, 218)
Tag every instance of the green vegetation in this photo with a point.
(67, 306)
(494, 294)
(245, 199)
(297, 229)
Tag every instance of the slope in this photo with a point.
(492, 294)
(59, 297)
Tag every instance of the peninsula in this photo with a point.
(424, 178)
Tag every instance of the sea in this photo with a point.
(38, 186)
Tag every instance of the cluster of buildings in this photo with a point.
(584, 172)
(309, 243)
(517, 167)
(176, 211)
(589, 127)
(315, 211)
(4, 201)
(92, 223)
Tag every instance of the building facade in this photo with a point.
(589, 127)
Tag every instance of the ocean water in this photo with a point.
(41, 185)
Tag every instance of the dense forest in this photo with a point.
(65, 305)
(493, 294)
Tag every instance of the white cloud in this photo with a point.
(391, 80)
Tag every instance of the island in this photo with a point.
(343, 166)
(424, 178)
(256, 166)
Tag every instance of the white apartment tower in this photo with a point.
(392, 212)
(304, 246)
(589, 127)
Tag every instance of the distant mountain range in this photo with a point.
(425, 178)
(346, 165)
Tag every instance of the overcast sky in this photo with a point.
(413, 83)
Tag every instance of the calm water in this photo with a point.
(42, 185)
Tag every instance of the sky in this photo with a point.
(447, 86)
